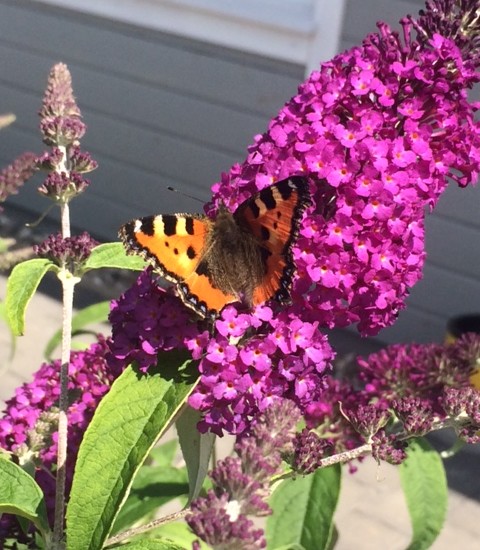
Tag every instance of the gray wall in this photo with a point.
(160, 110)
(163, 110)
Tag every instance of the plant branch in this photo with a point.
(147, 527)
(339, 458)
(68, 283)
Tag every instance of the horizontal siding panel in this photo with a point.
(134, 192)
(210, 73)
(440, 295)
(170, 157)
(156, 152)
(160, 110)
(414, 326)
(361, 17)
(139, 104)
(90, 209)
(453, 246)
(460, 204)
(445, 293)
(130, 192)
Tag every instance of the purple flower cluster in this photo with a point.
(61, 187)
(377, 132)
(421, 385)
(145, 321)
(241, 483)
(24, 418)
(16, 174)
(413, 370)
(252, 360)
(70, 250)
(248, 362)
(61, 122)
(62, 127)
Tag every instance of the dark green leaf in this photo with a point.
(425, 486)
(21, 286)
(20, 495)
(196, 449)
(113, 255)
(303, 511)
(96, 313)
(127, 423)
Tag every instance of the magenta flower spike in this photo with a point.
(377, 132)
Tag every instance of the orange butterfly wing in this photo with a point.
(273, 215)
(175, 245)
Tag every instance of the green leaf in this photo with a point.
(113, 255)
(127, 423)
(196, 449)
(21, 286)
(13, 338)
(5, 244)
(20, 495)
(425, 486)
(303, 511)
(179, 533)
(96, 313)
(163, 455)
(153, 487)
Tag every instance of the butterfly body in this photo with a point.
(245, 256)
(236, 267)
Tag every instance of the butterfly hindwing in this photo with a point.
(273, 215)
(198, 293)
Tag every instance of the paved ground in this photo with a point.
(372, 514)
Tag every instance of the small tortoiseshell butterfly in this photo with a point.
(245, 256)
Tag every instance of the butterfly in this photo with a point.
(245, 256)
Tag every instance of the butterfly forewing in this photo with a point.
(273, 215)
(172, 243)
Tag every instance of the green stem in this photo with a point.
(68, 284)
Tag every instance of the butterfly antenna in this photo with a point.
(170, 188)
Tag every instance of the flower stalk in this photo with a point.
(62, 128)
(68, 284)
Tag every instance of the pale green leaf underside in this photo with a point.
(196, 449)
